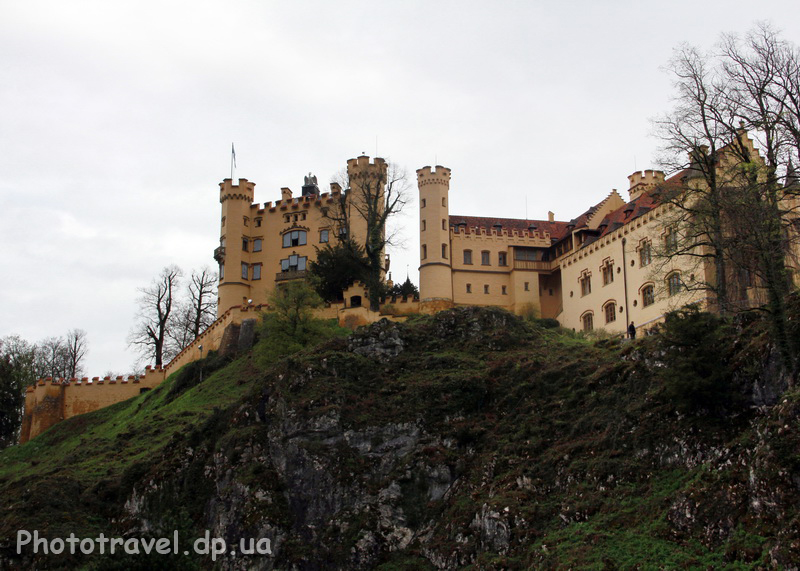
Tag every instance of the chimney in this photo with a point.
(551, 217)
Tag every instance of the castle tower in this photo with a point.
(435, 279)
(234, 227)
(367, 184)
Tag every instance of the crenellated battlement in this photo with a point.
(363, 163)
(641, 181)
(245, 190)
(439, 175)
(534, 237)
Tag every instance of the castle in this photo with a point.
(596, 271)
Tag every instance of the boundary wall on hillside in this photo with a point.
(52, 400)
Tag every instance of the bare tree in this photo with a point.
(736, 206)
(156, 316)
(51, 358)
(693, 135)
(369, 201)
(76, 347)
(197, 311)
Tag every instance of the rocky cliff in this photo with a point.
(470, 439)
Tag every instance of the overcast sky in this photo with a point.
(117, 117)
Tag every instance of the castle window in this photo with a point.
(586, 284)
(223, 222)
(608, 272)
(588, 321)
(674, 283)
(648, 296)
(422, 204)
(444, 251)
(468, 257)
(503, 290)
(303, 216)
(246, 221)
(444, 224)
(424, 251)
(244, 244)
(323, 236)
(256, 271)
(469, 288)
(286, 218)
(502, 259)
(222, 272)
(485, 261)
(422, 226)
(444, 201)
(527, 286)
(257, 245)
(293, 263)
(671, 240)
(294, 238)
(486, 288)
(610, 311)
(244, 271)
(645, 253)
(258, 222)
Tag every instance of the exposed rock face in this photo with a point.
(380, 340)
(466, 441)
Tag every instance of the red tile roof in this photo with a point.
(557, 230)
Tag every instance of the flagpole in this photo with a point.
(233, 161)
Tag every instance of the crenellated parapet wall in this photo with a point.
(51, 400)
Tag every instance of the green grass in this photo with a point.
(563, 435)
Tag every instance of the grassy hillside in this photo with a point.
(471, 439)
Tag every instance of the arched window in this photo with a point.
(294, 238)
(485, 258)
(588, 321)
(674, 283)
(648, 295)
(468, 257)
(610, 309)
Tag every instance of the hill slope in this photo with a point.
(467, 439)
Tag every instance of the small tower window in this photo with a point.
(486, 288)
(469, 288)
(422, 226)
(503, 290)
(223, 222)
(258, 222)
(444, 251)
(502, 259)
(323, 236)
(257, 245)
(256, 271)
(485, 261)
(244, 271)
(468, 257)
(422, 203)
(424, 251)
(244, 244)
(444, 224)
(444, 201)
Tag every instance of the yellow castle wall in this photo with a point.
(610, 248)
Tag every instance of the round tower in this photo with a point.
(435, 274)
(234, 288)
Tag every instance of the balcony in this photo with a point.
(533, 265)
(219, 254)
(290, 275)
